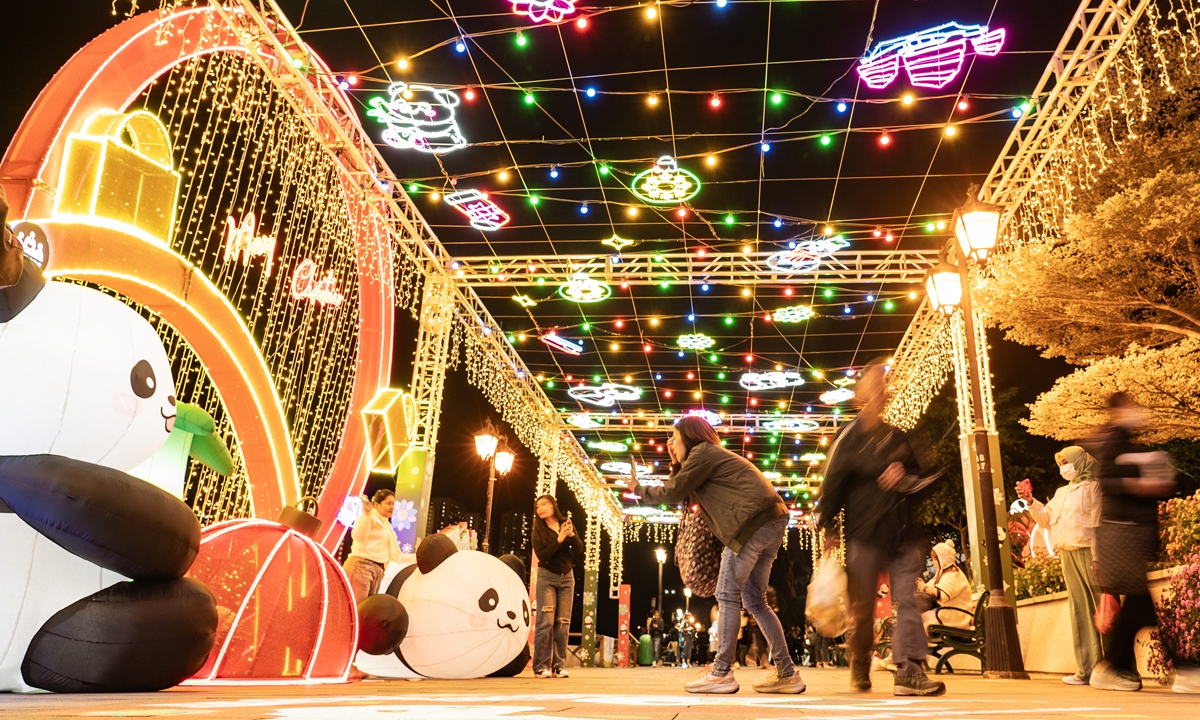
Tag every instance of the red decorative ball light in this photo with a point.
(286, 613)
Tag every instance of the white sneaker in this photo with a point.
(1187, 679)
(543, 673)
(562, 673)
(1105, 677)
(709, 683)
(1074, 680)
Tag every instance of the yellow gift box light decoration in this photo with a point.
(118, 173)
(390, 419)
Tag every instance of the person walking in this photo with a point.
(373, 545)
(745, 513)
(1072, 516)
(555, 542)
(656, 635)
(1132, 481)
(686, 634)
(875, 474)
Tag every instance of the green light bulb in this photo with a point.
(888, 305)
(595, 378)
(586, 327)
(729, 219)
(549, 383)
(828, 293)
(533, 200)
(720, 376)
(712, 358)
(826, 140)
(528, 98)
(413, 188)
(728, 320)
(776, 98)
(725, 398)
(603, 169)
(521, 40)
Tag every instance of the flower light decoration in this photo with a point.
(792, 425)
(771, 380)
(806, 256)
(833, 397)
(582, 288)
(558, 342)
(793, 314)
(551, 11)
(608, 446)
(483, 213)
(622, 468)
(418, 117)
(696, 341)
(932, 57)
(665, 184)
(605, 395)
(584, 421)
(708, 416)
(404, 516)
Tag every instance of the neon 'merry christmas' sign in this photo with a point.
(418, 117)
(544, 10)
(932, 57)
(483, 213)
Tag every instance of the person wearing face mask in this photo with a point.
(1072, 516)
(1132, 481)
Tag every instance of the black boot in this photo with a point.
(860, 677)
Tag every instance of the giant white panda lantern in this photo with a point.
(86, 394)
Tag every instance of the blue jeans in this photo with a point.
(555, 593)
(742, 582)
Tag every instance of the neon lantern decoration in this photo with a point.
(806, 256)
(792, 425)
(618, 243)
(605, 395)
(932, 57)
(307, 286)
(771, 380)
(793, 314)
(696, 341)
(584, 421)
(623, 468)
(707, 416)
(833, 397)
(581, 288)
(558, 342)
(243, 243)
(483, 213)
(524, 300)
(544, 10)
(665, 184)
(418, 117)
(607, 446)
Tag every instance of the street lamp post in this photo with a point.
(662, 558)
(493, 448)
(687, 601)
(976, 227)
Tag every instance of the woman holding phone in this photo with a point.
(555, 542)
(745, 513)
(374, 545)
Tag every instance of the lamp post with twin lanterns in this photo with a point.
(661, 555)
(976, 228)
(493, 448)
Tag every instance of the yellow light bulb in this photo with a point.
(711, 160)
(950, 131)
(652, 100)
(651, 12)
(503, 175)
(402, 63)
(908, 99)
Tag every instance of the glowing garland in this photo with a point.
(793, 314)
(792, 425)
(665, 184)
(483, 213)
(605, 395)
(608, 446)
(551, 11)
(583, 421)
(559, 342)
(696, 341)
(771, 380)
(418, 117)
(622, 468)
(806, 256)
(931, 57)
(833, 397)
(581, 288)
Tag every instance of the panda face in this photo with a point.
(96, 383)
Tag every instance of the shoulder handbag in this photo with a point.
(697, 552)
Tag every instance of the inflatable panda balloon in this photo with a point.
(93, 596)
(468, 615)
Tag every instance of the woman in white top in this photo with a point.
(374, 545)
(948, 589)
(1072, 516)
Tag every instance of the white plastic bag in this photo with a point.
(826, 606)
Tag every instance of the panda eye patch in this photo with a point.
(142, 380)
(489, 600)
(525, 610)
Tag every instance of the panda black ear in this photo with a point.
(516, 564)
(433, 550)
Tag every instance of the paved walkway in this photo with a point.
(604, 694)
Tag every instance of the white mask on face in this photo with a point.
(1068, 471)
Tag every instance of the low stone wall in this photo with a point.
(1044, 624)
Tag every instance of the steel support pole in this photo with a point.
(487, 518)
(1002, 645)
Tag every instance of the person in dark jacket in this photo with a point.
(655, 629)
(746, 514)
(875, 474)
(555, 542)
(1132, 481)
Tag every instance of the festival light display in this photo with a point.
(616, 242)
(558, 342)
(793, 314)
(608, 446)
(696, 341)
(524, 300)
(582, 288)
(770, 380)
(619, 467)
(708, 416)
(243, 243)
(418, 117)
(605, 395)
(483, 213)
(583, 421)
(307, 286)
(931, 57)
(806, 256)
(665, 184)
(550, 11)
(792, 425)
(813, 457)
(833, 397)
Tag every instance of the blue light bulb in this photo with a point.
(658, 376)
(870, 298)
(704, 287)
(766, 147)
(460, 46)
(583, 209)
(846, 309)
(722, 3)
(691, 318)
(591, 92)
(778, 223)
(554, 172)
(791, 246)
(680, 353)
(841, 107)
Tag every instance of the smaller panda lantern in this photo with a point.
(468, 614)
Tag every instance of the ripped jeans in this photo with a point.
(555, 595)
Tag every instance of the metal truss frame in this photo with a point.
(844, 267)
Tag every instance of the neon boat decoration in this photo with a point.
(932, 57)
